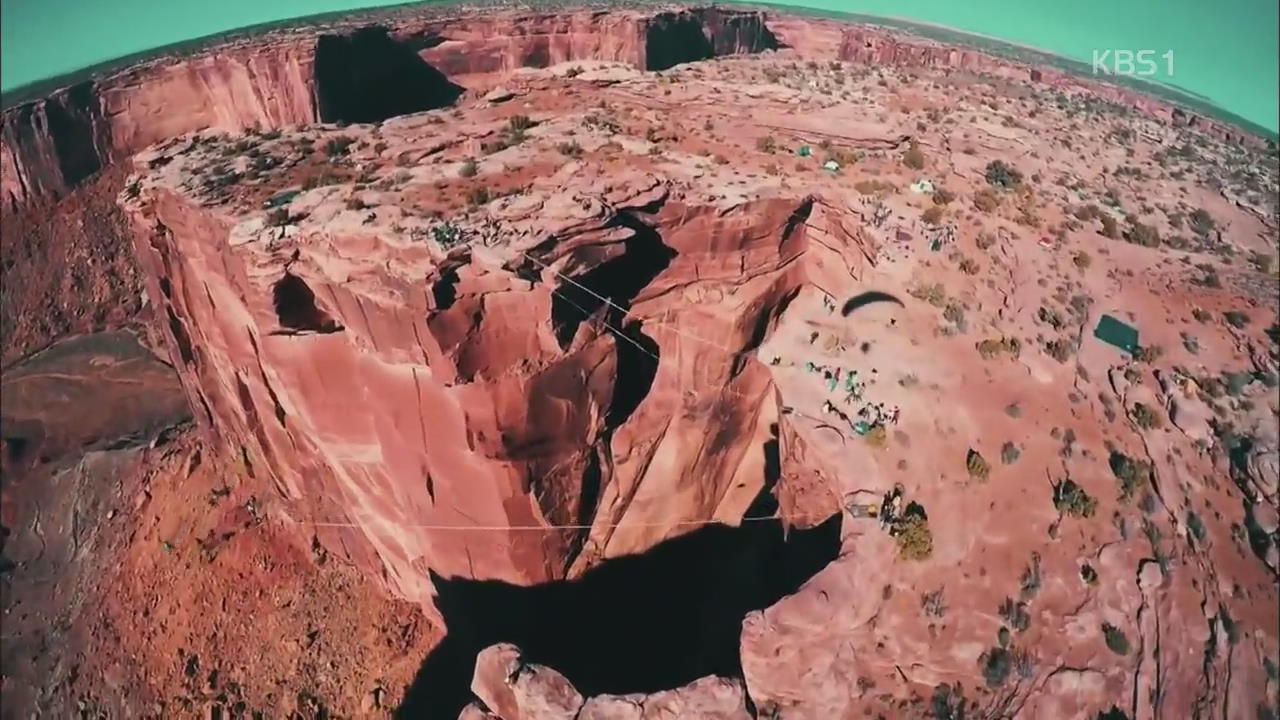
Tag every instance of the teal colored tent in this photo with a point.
(1117, 333)
(804, 151)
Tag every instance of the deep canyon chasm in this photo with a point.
(470, 304)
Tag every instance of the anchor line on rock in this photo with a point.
(627, 313)
(671, 523)
(617, 331)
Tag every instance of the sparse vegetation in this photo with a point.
(997, 664)
(932, 215)
(1071, 499)
(1002, 176)
(934, 294)
(990, 348)
(278, 217)
(767, 144)
(468, 169)
(570, 149)
(978, 467)
(986, 200)
(915, 539)
(1015, 614)
(478, 196)
(913, 158)
(933, 604)
(1009, 453)
(1145, 417)
(1115, 639)
(1132, 474)
(1236, 319)
(1060, 349)
(338, 146)
(447, 234)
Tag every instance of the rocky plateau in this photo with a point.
(633, 363)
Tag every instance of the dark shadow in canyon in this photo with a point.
(296, 308)
(619, 281)
(368, 76)
(72, 126)
(673, 39)
(640, 623)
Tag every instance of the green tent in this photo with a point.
(1117, 333)
(804, 151)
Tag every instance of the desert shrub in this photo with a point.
(1015, 614)
(447, 234)
(1082, 260)
(518, 123)
(1148, 353)
(1201, 222)
(1261, 261)
(1059, 349)
(986, 200)
(478, 196)
(985, 240)
(1001, 175)
(1051, 317)
(355, 203)
(954, 314)
(1141, 234)
(978, 467)
(997, 663)
(991, 347)
(468, 169)
(943, 196)
(969, 266)
(1195, 525)
(570, 149)
(573, 72)
(872, 187)
(1088, 574)
(337, 147)
(1110, 229)
(1009, 453)
(766, 144)
(934, 294)
(1029, 582)
(915, 539)
(278, 217)
(933, 603)
(1071, 499)
(1145, 417)
(1115, 639)
(913, 158)
(1236, 319)
(932, 215)
(1132, 474)
(1201, 315)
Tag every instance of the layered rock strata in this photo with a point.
(355, 74)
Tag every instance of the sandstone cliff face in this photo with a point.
(360, 75)
(402, 397)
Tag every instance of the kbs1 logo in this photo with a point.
(1142, 63)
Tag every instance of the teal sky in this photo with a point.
(1225, 50)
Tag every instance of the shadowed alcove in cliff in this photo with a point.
(369, 76)
(296, 308)
(640, 623)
